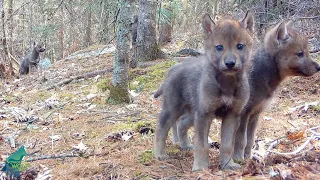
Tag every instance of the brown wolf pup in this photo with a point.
(213, 85)
(283, 53)
(32, 59)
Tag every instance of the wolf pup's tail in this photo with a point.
(159, 92)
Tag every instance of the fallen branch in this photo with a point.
(86, 75)
(62, 156)
(297, 150)
(312, 17)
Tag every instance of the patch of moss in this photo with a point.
(42, 95)
(146, 157)
(154, 76)
(121, 126)
(118, 95)
(173, 150)
(315, 108)
(135, 126)
(103, 84)
(66, 95)
(9, 99)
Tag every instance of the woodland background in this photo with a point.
(69, 25)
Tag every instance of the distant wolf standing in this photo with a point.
(32, 59)
(283, 53)
(213, 85)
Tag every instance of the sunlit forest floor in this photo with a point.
(110, 141)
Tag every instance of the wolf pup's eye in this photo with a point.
(219, 48)
(240, 46)
(300, 54)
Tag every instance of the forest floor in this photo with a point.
(106, 141)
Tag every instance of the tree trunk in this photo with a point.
(10, 26)
(104, 22)
(119, 89)
(61, 35)
(165, 32)
(10, 36)
(4, 38)
(31, 40)
(147, 48)
(88, 32)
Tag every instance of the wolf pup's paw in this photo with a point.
(187, 147)
(161, 157)
(200, 166)
(238, 158)
(231, 166)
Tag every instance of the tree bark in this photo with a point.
(147, 47)
(61, 35)
(88, 32)
(104, 22)
(10, 26)
(119, 90)
(4, 38)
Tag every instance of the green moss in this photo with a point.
(173, 150)
(146, 157)
(9, 99)
(42, 95)
(103, 84)
(315, 108)
(66, 95)
(154, 76)
(118, 95)
(135, 126)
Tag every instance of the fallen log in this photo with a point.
(82, 76)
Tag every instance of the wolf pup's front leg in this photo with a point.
(201, 146)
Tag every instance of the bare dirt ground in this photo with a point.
(53, 122)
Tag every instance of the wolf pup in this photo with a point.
(283, 53)
(213, 85)
(32, 59)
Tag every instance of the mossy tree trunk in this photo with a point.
(119, 90)
(147, 48)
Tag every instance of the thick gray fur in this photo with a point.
(206, 88)
(32, 59)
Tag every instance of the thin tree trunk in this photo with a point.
(31, 40)
(61, 35)
(119, 89)
(4, 38)
(10, 26)
(88, 40)
(104, 22)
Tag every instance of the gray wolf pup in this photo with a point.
(284, 53)
(213, 85)
(32, 59)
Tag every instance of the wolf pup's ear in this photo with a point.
(248, 21)
(207, 25)
(282, 34)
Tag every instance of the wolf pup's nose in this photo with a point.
(318, 68)
(230, 64)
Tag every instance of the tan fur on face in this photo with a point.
(229, 33)
(284, 42)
